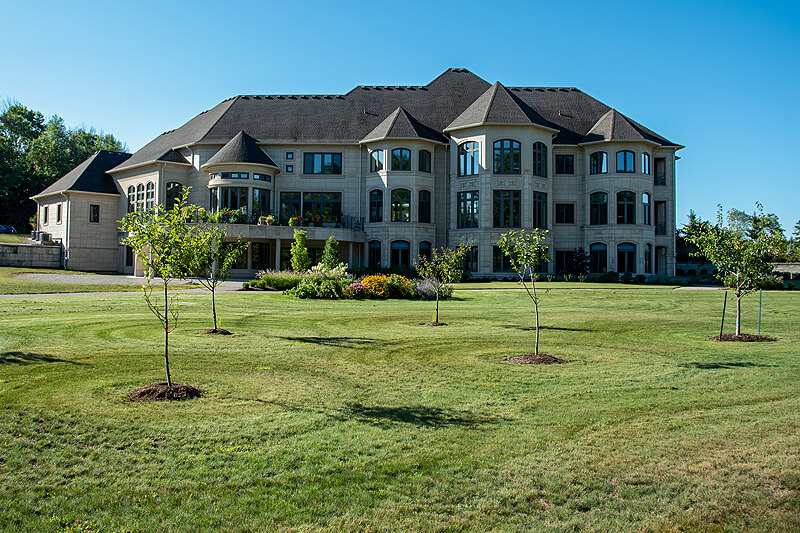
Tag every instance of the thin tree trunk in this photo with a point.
(214, 306)
(437, 307)
(166, 335)
(536, 309)
(738, 314)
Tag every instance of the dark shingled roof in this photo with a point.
(456, 97)
(498, 106)
(614, 126)
(91, 175)
(241, 149)
(401, 125)
(171, 156)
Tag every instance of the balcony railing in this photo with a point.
(240, 216)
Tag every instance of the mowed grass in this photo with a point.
(353, 416)
(10, 238)
(11, 284)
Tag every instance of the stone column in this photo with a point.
(277, 254)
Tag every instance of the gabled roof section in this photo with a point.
(614, 126)
(498, 106)
(401, 125)
(171, 156)
(241, 149)
(90, 176)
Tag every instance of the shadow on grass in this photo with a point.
(340, 342)
(549, 328)
(417, 415)
(21, 358)
(713, 366)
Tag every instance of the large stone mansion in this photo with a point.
(392, 172)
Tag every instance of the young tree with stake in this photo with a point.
(741, 260)
(525, 251)
(442, 269)
(213, 260)
(162, 240)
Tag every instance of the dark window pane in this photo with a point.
(425, 207)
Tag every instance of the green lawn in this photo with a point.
(9, 284)
(10, 238)
(352, 416)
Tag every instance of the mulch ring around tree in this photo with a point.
(161, 392)
(435, 324)
(744, 337)
(533, 359)
(215, 331)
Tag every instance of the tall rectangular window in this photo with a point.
(507, 157)
(507, 209)
(376, 206)
(565, 164)
(471, 260)
(625, 161)
(598, 163)
(500, 261)
(58, 214)
(565, 213)
(424, 211)
(540, 210)
(94, 213)
(660, 176)
(46, 215)
(424, 161)
(564, 261)
(469, 155)
(467, 203)
(322, 163)
(261, 201)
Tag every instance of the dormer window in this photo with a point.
(625, 161)
(401, 159)
(376, 160)
(469, 155)
(507, 157)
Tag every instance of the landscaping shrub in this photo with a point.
(317, 288)
(277, 280)
(399, 286)
(425, 289)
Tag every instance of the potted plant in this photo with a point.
(269, 219)
(295, 220)
(262, 220)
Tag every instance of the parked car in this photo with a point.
(7, 229)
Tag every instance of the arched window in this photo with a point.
(598, 203)
(648, 258)
(645, 163)
(507, 157)
(374, 259)
(401, 159)
(626, 207)
(626, 257)
(540, 159)
(625, 161)
(469, 155)
(376, 160)
(401, 205)
(174, 192)
(140, 197)
(425, 207)
(425, 249)
(131, 199)
(598, 163)
(376, 206)
(646, 209)
(150, 198)
(598, 258)
(424, 161)
(400, 254)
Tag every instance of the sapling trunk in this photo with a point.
(536, 310)
(166, 335)
(437, 305)
(214, 306)
(738, 313)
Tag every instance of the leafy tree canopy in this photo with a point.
(35, 152)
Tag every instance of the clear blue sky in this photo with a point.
(721, 78)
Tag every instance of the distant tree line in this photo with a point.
(34, 153)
